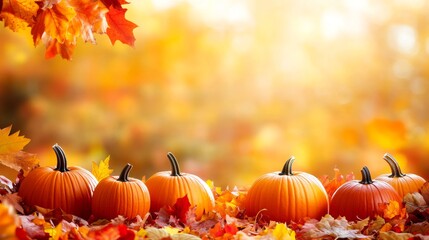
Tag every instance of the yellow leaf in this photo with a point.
(102, 170)
(11, 143)
(282, 232)
(56, 232)
(8, 221)
(18, 14)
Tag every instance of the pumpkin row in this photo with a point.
(279, 196)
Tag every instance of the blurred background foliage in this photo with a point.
(233, 88)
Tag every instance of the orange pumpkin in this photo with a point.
(120, 195)
(402, 183)
(167, 186)
(287, 196)
(68, 188)
(361, 199)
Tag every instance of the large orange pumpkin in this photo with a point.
(361, 199)
(68, 188)
(120, 195)
(402, 183)
(287, 196)
(167, 186)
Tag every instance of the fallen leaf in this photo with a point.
(101, 170)
(330, 227)
(282, 232)
(394, 236)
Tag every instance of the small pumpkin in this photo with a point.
(167, 186)
(120, 195)
(68, 188)
(361, 199)
(402, 183)
(287, 195)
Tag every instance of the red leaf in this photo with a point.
(53, 47)
(115, 3)
(181, 207)
(120, 28)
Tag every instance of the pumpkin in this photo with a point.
(361, 199)
(68, 188)
(167, 186)
(120, 195)
(402, 183)
(287, 195)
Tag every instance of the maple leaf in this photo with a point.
(101, 170)
(393, 210)
(53, 48)
(53, 21)
(118, 27)
(394, 236)
(18, 14)
(11, 143)
(14, 200)
(328, 227)
(11, 154)
(331, 185)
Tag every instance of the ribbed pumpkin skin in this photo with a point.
(49, 188)
(356, 200)
(165, 189)
(113, 197)
(409, 183)
(402, 183)
(287, 198)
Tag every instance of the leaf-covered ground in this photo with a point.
(228, 220)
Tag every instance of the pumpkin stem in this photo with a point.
(287, 168)
(61, 158)
(125, 172)
(175, 170)
(366, 176)
(394, 166)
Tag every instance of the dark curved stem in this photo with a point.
(61, 158)
(287, 168)
(394, 166)
(175, 170)
(366, 176)
(125, 172)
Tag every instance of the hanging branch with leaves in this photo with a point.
(58, 24)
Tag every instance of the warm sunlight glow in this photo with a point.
(233, 88)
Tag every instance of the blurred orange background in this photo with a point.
(233, 88)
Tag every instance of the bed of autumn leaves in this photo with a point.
(228, 220)
(60, 23)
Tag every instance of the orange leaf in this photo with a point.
(53, 47)
(18, 14)
(54, 22)
(331, 185)
(119, 28)
(8, 221)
